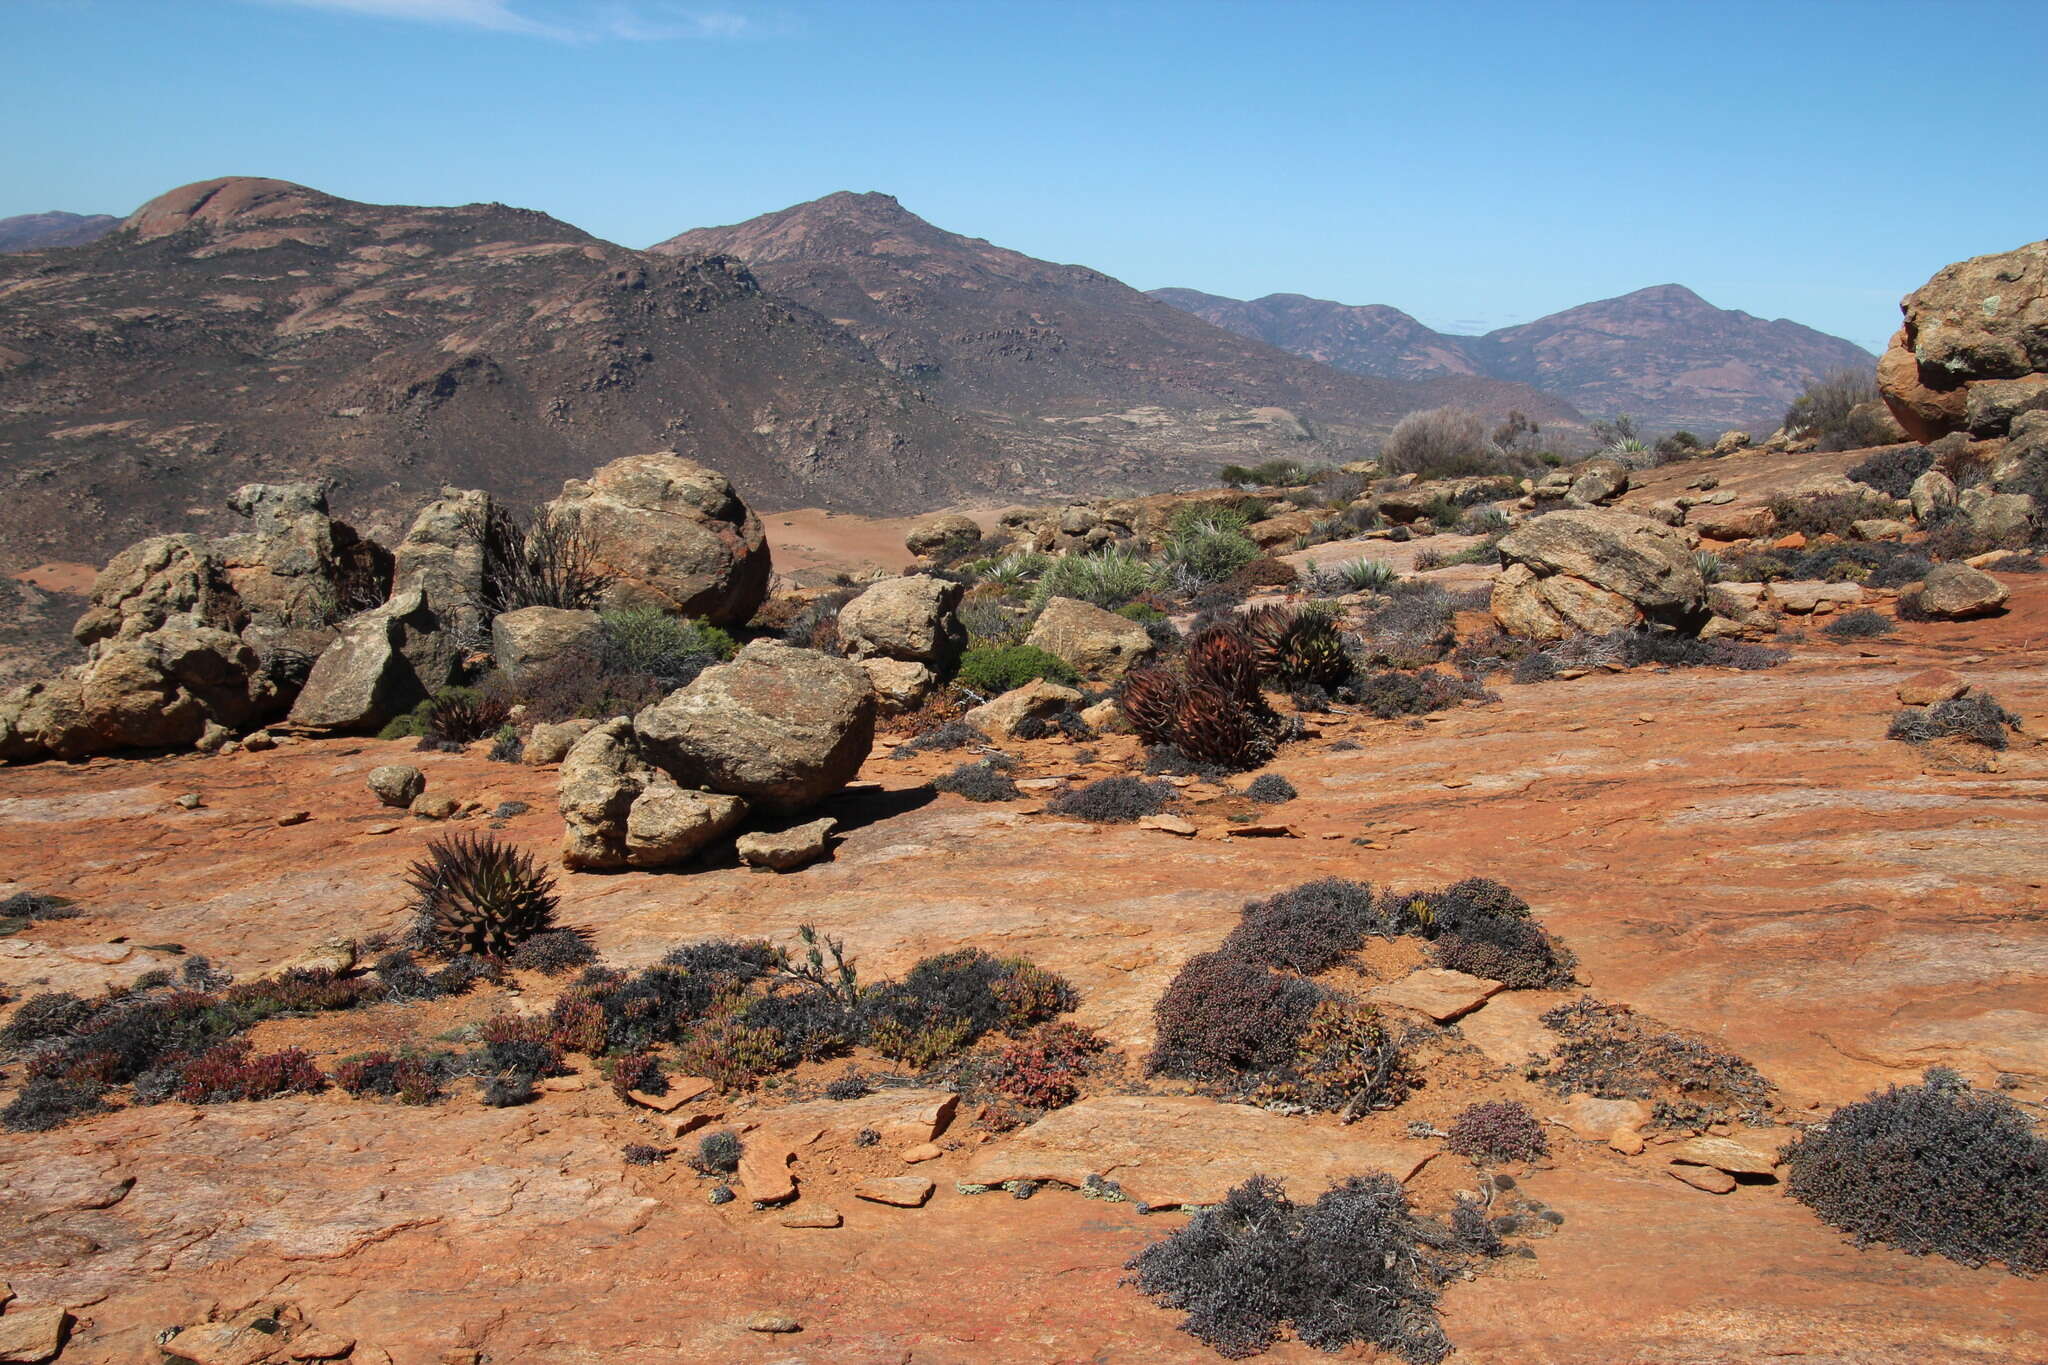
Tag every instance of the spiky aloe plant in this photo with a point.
(1150, 701)
(460, 715)
(479, 897)
(1223, 657)
(1295, 646)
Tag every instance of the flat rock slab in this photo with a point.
(820, 1217)
(681, 1090)
(1702, 1178)
(1510, 1030)
(789, 849)
(1441, 994)
(222, 1343)
(83, 969)
(765, 1175)
(1725, 1154)
(1172, 1151)
(1931, 686)
(33, 1334)
(1169, 824)
(903, 1191)
(904, 1118)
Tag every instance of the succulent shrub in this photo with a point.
(947, 1002)
(1611, 1052)
(647, 640)
(718, 1153)
(1307, 929)
(978, 782)
(1344, 1060)
(554, 952)
(1271, 789)
(477, 896)
(1042, 1069)
(1975, 716)
(232, 1071)
(1936, 1167)
(1223, 1017)
(1112, 800)
(407, 1079)
(1892, 471)
(1497, 1130)
(1861, 624)
(1353, 1268)
(1479, 924)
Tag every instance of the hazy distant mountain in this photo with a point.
(1061, 351)
(1664, 354)
(35, 231)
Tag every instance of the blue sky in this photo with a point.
(1475, 164)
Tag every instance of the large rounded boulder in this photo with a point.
(1595, 571)
(1973, 353)
(672, 534)
(914, 618)
(781, 726)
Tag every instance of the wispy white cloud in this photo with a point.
(495, 15)
(590, 21)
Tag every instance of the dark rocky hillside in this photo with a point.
(1664, 354)
(249, 329)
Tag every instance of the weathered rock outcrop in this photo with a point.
(1595, 571)
(1973, 353)
(161, 689)
(673, 534)
(783, 727)
(621, 811)
(1097, 642)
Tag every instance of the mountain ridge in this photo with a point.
(982, 324)
(41, 231)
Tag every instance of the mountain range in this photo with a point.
(35, 231)
(842, 353)
(1664, 355)
(249, 329)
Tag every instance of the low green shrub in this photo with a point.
(995, 669)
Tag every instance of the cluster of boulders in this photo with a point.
(776, 730)
(191, 638)
(299, 622)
